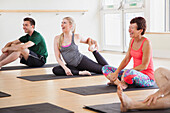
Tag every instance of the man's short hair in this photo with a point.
(32, 21)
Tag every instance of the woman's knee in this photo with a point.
(107, 70)
(108, 67)
(128, 72)
(128, 75)
(58, 70)
(54, 70)
(104, 68)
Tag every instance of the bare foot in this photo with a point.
(111, 83)
(123, 85)
(84, 73)
(92, 48)
(126, 102)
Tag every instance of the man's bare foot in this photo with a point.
(84, 73)
(126, 102)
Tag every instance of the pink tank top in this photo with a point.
(137, 60)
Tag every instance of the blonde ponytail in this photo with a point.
(61, 40)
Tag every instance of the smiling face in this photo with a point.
(66, 26)
(134, 33)
(28, 27)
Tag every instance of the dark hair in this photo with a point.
(141, 23)
(32, 21)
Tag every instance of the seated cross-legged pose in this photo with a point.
(158, 100)
(142, 73)
(31, 48)
(66, 45)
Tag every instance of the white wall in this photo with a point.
(48, 24)
(160, 44)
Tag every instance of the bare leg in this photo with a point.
(162, 77)
(3, 56)
(127, 103)
(25, 53)
(10, 58)
(13, 56)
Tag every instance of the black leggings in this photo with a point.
(85, 64)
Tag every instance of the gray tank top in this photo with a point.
(71, 54)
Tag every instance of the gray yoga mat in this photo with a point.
(101, 89)
(25, 67)
(2, 94)
(35, 108)
(51, 77)
(115, 108)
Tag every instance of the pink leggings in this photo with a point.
(131, 76)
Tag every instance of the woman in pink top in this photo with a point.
(142, 73)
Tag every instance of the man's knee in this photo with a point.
(24, 51)
(157, 72)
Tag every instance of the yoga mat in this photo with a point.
(35, 108)
(25, 67)
(101, 89)
(2, 94)
(51, 77)
(115, 108)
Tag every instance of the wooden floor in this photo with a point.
(25, 92)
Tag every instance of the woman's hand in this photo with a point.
(122, 78)
(68, 72)
(95, 43)
(112, 77)
(92, 42)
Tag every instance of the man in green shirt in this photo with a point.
(31, 48)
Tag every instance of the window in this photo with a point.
(112, 29)
(157, 22)
(111, 4)
(116, 16)
(133, 4)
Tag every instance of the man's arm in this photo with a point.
(13, 42)
(19, 47)
(27, 45)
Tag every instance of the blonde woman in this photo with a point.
(66, 45)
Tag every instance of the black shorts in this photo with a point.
(33, 60)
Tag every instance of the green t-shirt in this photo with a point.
(39, 47)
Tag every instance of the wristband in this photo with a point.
(162, 95)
